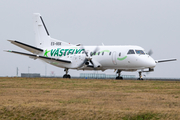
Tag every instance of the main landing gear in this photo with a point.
(119, 75)
(140, 76)
(66, 75)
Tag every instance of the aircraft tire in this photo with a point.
(65, 76)
(68, 76)
(119, 78)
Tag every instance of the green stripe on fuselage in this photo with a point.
(122, 58)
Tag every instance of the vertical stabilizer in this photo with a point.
(42, 36)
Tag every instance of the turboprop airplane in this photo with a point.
(70, 56)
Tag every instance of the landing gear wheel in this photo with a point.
(140, 76)
(140, 79)
(119, 78)
(66, 76)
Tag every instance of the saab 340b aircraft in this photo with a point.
(69, 56)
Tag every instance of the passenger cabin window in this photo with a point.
(109, 53)
(102, 53)
(140, 52)
(131, 52)
(119, 54)
(98, 53)
(94, 53)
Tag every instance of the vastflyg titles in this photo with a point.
(62, 52)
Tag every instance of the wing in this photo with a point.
(40, 57)
(27, 47)
(165, 60)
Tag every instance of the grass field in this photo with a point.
(56, 98)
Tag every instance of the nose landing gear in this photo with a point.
(140, 76)
(66, 75)
(119, 75)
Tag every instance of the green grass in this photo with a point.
(142, 116)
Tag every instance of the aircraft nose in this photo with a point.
(152, 63)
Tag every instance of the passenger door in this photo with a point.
(114, 58)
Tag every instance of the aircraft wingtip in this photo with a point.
(37, 14)
(10, 40)
(7, 51)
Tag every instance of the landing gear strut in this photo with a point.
(119, 75)
(140, 76)
(66, 75)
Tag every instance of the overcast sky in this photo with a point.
(151, 24)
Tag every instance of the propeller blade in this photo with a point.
(150, 52)
(92, 63)
(90, 58)
(95, 50)
(82, 47)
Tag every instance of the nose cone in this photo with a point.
(147, 62)
(151, 62)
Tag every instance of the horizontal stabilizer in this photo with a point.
(27, 47)
(40, 57)
(165, 60)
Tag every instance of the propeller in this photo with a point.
(95, 50)
(150, 52)
(90, 58)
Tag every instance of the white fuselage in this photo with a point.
(108, 57)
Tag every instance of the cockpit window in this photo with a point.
(141, 52)
(131, 52)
